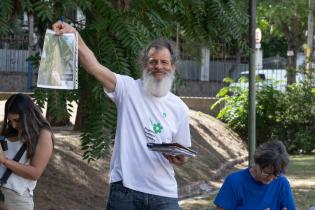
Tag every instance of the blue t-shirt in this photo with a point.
(240, 191)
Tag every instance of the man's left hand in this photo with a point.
(176, 160)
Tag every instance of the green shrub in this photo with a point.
(288, 116)
(234, 112)
(297, 125)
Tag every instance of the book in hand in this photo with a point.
(58, 67)
(173, 149)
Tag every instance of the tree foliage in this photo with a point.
(117, 35)
(287, 19)
(116, 31)
(283, 21)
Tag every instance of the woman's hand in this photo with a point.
(2, 156)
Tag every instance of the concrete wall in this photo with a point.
(202, 104)
(194, 88)
(14, 82)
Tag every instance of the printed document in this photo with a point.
(173, 149)
(58, 67)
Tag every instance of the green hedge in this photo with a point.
(288, 116)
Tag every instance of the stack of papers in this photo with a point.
(58, 67)
(173, 149)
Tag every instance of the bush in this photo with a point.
(297, 125)
(287, 116)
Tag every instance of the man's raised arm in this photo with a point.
(87, 58)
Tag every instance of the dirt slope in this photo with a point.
(69, 183)
(218, 148)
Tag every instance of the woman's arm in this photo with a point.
(39, 161)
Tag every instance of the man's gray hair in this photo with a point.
(272, 153)
(159, 44)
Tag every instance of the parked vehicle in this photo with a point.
(274, 77)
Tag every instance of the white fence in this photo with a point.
(218, 70)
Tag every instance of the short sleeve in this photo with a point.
(120, 89)
(226, 197)
(287, 200)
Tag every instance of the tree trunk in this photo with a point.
(57, 113)
(309, 49)
(30, 34)
(121, 4)
(86, 82)
(291, 69)
(291, 33)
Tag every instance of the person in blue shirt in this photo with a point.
(261, 187)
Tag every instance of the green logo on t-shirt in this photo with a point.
(157, 127)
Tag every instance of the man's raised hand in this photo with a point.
(61, 27)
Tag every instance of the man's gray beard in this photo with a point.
(158, 88)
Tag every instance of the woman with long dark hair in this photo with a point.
(24, 124)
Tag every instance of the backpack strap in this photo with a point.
(16, 158)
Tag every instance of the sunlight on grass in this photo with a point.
(301, 174)
(197, 203)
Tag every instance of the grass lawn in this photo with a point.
(301, 174)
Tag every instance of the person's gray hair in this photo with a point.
(159, 44)
(272, 153)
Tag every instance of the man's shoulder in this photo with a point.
(177, 100)
(282, 179)
(238, 175)
(125, 77)
(127, 82)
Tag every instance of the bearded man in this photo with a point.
(147, 112)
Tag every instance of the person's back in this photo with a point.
(260, 187)
(252, 194)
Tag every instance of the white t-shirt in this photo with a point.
(140, 168)
(16, 182)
